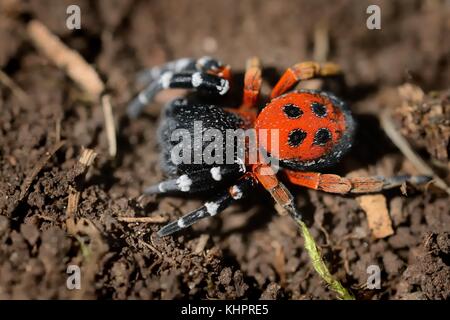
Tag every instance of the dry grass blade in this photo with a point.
(37, 168)
(279, 262)
(200, 247)
(78, 70)
(86, 160)
(109, 125)
(15, 89)
(152, 219)
(321, 42)
(65, 58)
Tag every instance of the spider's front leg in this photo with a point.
(268, 179)
(205, 74)
(252, 84)
(252, 88)
(204, 64)
(336, 184)
(303, 71)
(211, 207)
(194, 182)
(182, 80)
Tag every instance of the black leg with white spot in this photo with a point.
(210, 208)
(199, 181)
(197, 80)
(203, 64)
(397, 181)
(147, 76)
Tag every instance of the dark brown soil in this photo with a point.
(249, 251)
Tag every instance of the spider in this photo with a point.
(314, 130)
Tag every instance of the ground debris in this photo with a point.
(78, 70)
(425, 119)
(377, 215)
(86, 159)
(237, 261)
(37, 168)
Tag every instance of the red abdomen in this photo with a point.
(308, 125)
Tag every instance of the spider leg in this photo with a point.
(184, 80)
(268, 179)
(149, 75)
(212, 207)
(303, 71)
(252, 83)
(335, 184)
(201, 180)
(204, 64)
(252, 87)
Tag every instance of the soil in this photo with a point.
(249, 251)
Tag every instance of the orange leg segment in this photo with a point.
(252, 83)
(303, 71)
(336, 184)
(223, 72)
(252, 87)
(268, 179)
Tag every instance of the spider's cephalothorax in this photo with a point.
(304, 130)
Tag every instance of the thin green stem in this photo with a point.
(320, 266)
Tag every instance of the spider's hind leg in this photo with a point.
(212, 207)
(336, 184)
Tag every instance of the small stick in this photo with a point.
(408, 152)
(37, 168)
(201, 244)
(86, 160)
(65, 58)
(152, 219)
(78, 70)
(58, 130)
(321, 42)
(109, 124)
(152, 248)
(15, 89)
(279, 262)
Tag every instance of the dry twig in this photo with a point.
(78, 70)
(152, 219)
(109, 124)
(37, 168)
(200, 247)
(15, 89)
(86, 160)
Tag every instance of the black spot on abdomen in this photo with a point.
(296, 137)
(292, 111)
(319, 109)
(322, 136)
